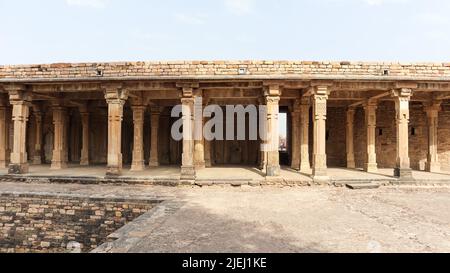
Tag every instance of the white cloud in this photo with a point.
(240, 7)
(88, 3)
(191, 19)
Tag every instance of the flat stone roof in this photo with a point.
(227, 70)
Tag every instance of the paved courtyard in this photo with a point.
(276, 219)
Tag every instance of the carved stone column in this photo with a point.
(208, 159)
(199, 142)
(320, 97)
(262, 158)
(154, 153)
(295, 138)
(370, 109)
(84, 112)
(115, 97)
(4, 133)
(187, 168)
(402, 97)
(37, 159)
(272, 94)
(432, 110)
(305, 164)
(21, 101)
(350, 138)
(59, 159)
(138, 163)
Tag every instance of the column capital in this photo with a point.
(403, 94)
(156, 110)
(373, 103)
(432, 107)
(296, 106)
(272, 90)
(83, 108)
(115, 94)
(305, 101)
(18, 95)
(320, 92)
(351, 115)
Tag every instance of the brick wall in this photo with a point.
(31, 223)
(225, 68)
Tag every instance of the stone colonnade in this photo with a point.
(196, 152)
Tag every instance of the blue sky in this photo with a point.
(48, 31)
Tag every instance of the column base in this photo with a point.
(114, 171)
(187, 173)
(18, 168)
(273, 171)
(433, 167)
(201, 165)
(138, 166)
(37, 160)
(84, 163)
(319, 172)
(403, 174)
(351, 165)
(371, 167)
(154, 164)
(306, 168)
(58, 165)
(3, 164)
(295, 166)
(208, 164)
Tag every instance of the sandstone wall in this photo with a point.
(31, 223)
(217, 68)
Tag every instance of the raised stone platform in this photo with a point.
(222, 175)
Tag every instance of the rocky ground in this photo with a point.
(273, 219)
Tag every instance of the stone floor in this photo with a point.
(228, 173)
(275, 219)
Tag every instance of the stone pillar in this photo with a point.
(116, 98)
(305, 164)
(350, 138)
(37, 159)
(155, 116)
(84, 161)
(432, 111)
(295, 138)
(370, 109)
(59, 159)
(138, 163)
(262, 158)
(208, 159)
(402, 97)
(20, 100)
(199, 142)
(320, 97)
(4, 133)
(187, 168)
(272, 94)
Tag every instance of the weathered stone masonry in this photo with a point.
(48, 223)
(342, 114)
